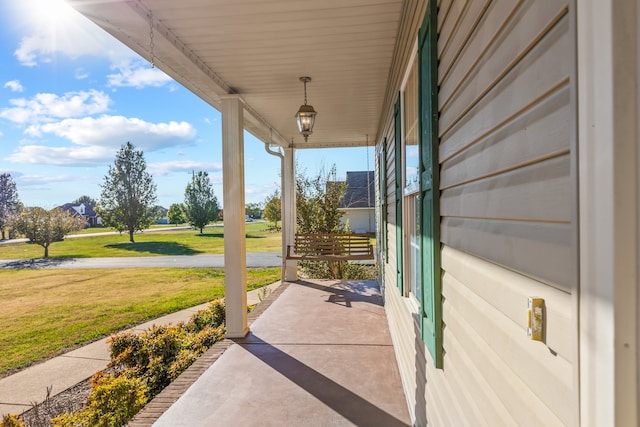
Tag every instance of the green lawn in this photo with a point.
(45, 312)
(92, 230)
(179, 242)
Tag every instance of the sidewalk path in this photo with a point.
(19, 391)
(254, 260)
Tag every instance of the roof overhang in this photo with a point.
(258, 49)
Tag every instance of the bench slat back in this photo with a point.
(332, 246)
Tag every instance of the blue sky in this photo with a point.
(71, 95)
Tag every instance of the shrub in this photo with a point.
(213, 315)
(337, 270)
(11, 421)
(199, 320)
(114, 400)
(217, 313)
(357, 271)
(142, 365)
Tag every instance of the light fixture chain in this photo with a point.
(305, 92)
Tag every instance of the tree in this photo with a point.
(200, 203)
(128, 193)
(317, 205)
(176, 214)
(44, 227)
(318, 202)
(273, 209)
(159, 212)
(253, 210)
(9, 202)
(87, 200)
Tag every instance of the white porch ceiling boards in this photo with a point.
(259, 49)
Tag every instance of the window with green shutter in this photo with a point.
(429, 181)
(382, 191)
(398, 191)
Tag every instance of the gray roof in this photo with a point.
(89, 211)
(360, 192)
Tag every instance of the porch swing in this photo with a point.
(333, 246)
(330, 247)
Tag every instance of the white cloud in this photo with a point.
(52, 26)
(49, 106)
(39, 181)
(14, 85)
(137, 74)
(113, 131)
(61, 156)
(166, 168)
(413, 151)
(81, 74)
(260, 191)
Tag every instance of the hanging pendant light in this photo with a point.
(306, 115)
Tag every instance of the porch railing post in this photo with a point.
(235, 262)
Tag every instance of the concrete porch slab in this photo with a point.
(320, 355)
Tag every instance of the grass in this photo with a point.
(45, 312)
(92, 230)
(179, 242)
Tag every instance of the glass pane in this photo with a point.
(411, 156)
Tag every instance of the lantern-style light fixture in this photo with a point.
(306, 115)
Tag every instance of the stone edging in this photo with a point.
(167, 397)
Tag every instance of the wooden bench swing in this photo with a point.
(330, 247)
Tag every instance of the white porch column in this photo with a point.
(608, 134)
(289, 211)
(235, 260)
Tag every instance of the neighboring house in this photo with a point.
(507, 159)
(86, 210)
(162, 217)
(358, 202)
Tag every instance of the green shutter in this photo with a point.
(398, 159)
(429, 186)
(382, 218)
(383, 195)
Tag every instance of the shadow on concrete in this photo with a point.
(347, 292)
(35, 263)
(342, 400)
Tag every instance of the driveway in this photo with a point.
(254, 259)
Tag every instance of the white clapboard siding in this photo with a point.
(535, 77)
(535, 192)
(508, 207)
(508, 292)
(539, 133)
(519, 44)
(514, 403)
(456, 31)
(493, 374)
(537, 249)
(429, 394)
(508, 226)
(548, 376)
(505, 128)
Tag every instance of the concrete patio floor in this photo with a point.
(319, 354)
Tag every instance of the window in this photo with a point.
(410, 183)
(417, 187)
(429, 194)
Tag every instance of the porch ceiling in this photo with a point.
(259, 49)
